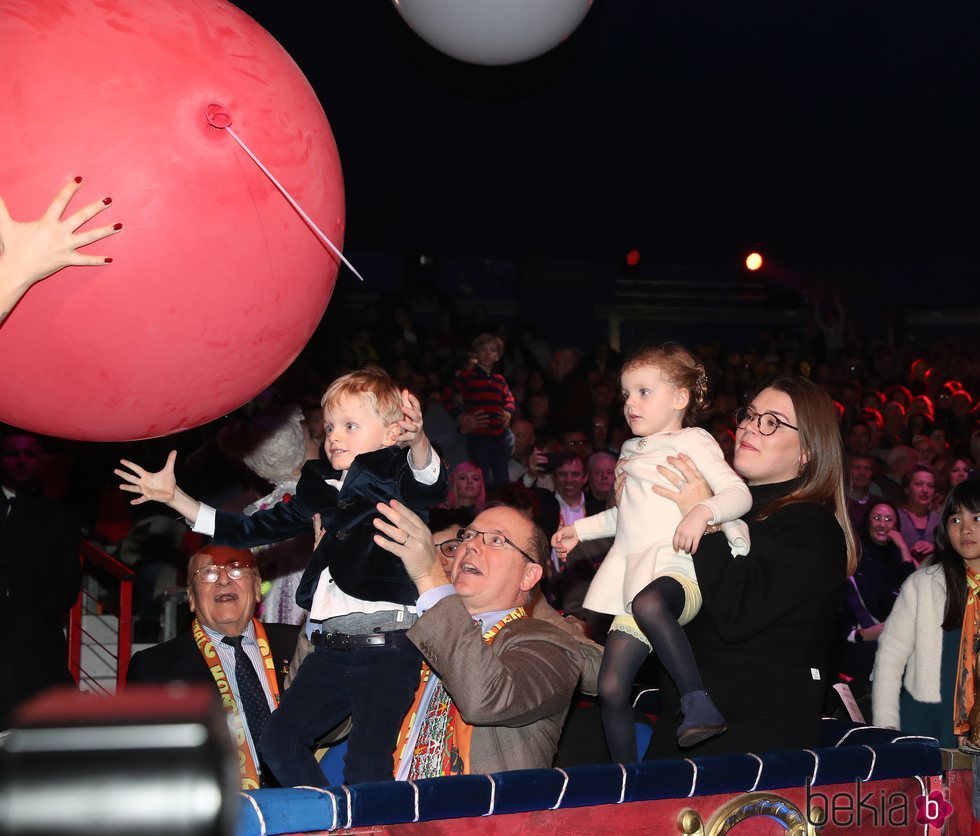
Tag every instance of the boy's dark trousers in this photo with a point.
(491, 453)
(375, 685)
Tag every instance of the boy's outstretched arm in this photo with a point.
(158, 486)
(412, 435)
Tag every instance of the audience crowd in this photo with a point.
(540, 428)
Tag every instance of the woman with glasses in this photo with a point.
(882, 543)
(870, 595)
(767, 618)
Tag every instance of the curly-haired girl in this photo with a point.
(647, 580)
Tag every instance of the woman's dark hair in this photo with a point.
(822, 472)
(966, 495)
(443, 518)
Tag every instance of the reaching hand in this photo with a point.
(411, 424)
(564, 540)
(411, 430)
(160, 486)
(33, 250)
(405, 535)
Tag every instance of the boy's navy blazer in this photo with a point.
(357, 565)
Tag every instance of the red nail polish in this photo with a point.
(107, 200)
(117, 226)
(108, 261)
(78, 179)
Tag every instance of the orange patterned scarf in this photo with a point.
(967, 663)
(443, 743)
(246, 763)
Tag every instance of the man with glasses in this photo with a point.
(497, 683)
(244, 659)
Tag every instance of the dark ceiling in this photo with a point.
(689, 130)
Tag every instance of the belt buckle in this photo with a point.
(375, 640)
(341, 641)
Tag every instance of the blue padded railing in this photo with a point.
(849, 752)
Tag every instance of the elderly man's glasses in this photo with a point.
(492, 539)
(765, 421)
(234, 571)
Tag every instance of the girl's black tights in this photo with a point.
(656, 610)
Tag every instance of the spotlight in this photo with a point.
(753, 261)
(633, 258)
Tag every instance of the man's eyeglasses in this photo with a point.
(882, 518)
(492, 539)
(765, 421)
(449, 547)
(234, 571)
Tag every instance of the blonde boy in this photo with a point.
(361, 601)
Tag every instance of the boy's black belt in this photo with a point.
(345, 642)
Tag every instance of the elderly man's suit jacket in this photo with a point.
(515, 692)
(358, 566)
(179, 660)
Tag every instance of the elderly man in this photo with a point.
(500, 683)
(600, 476)
(227, 646)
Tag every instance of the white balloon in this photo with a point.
(493, 31)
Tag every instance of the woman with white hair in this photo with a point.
(273, 447)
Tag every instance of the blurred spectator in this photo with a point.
(484, 404)
(575, 441)
(900, 460)
(861, 491)
(274, 448)
(600, 472)
(917, 521)
(40, 575)
(525, 439)
(466, 488)
(870, 595)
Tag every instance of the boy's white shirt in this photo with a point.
(329, 601)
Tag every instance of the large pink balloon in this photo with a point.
(217, 283)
